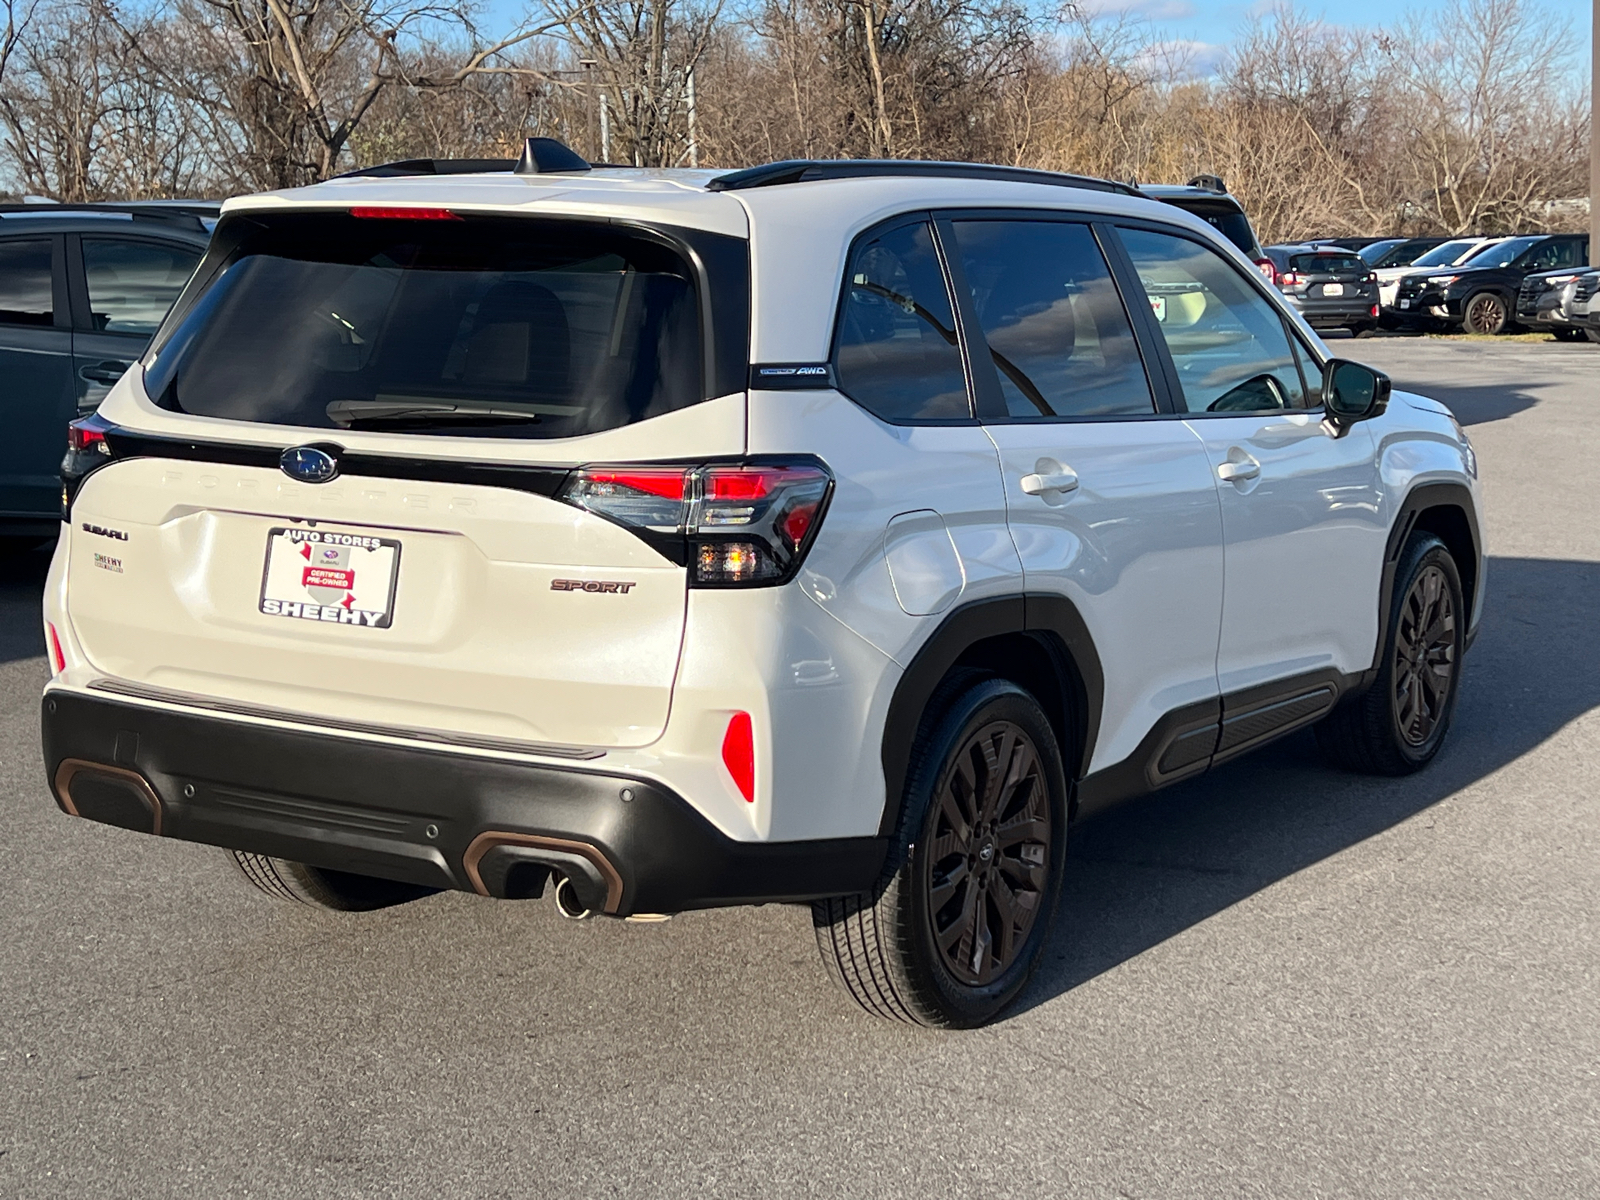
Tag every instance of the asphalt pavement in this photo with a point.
(1276, 981)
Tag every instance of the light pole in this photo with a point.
(1594, 136)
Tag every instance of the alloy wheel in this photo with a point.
(1486, 314)
(1425, 656)
(987, 865)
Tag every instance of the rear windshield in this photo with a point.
(1327, 264)
(1371, 254)
(500, 327)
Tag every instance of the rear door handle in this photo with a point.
(103, 372)
(1237, 472)
(1064, 480)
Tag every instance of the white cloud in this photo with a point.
(1151, 10)
(1188, 58)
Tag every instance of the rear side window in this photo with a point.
(896, 353)
(1053, 320)
(26, 295)
(132, 284)
(489, 326)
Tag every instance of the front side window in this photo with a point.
(1551, 256)
(1053, 320)
(491, 326)
(26, 294)
(897, 354)
(132, 284)
(1227, 342)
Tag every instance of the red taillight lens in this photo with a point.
(1270, 272)
(739, 754)
(86, 434)
(401, 212)
(1289, 279)
(58, 660)
(1373, 311)
(734, 525)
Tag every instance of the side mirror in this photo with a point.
(1353, 392)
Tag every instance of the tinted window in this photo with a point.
(1502, 254)
(26, 297)
(493, 326)
(897, 355)
(1227, 342)
(1328, 264)
(1551, 255)
(132, 284)
(1443, 256)
(1054, 322)
(1379, 250)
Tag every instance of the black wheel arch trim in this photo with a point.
(1062, 639)
(1415, 512)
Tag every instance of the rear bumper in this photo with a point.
(496, 826)
(1351, 310)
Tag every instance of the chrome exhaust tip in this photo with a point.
(567, 902)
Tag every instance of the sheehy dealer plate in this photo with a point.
(336, 577)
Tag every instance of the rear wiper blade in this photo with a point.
(351, 413)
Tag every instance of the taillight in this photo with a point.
(1270, 272)
(735, 525)
(88, 435)
(1290, 279)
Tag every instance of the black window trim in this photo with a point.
(60, 317)
(920, 216)
(77, 273)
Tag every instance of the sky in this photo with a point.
(1207, 26)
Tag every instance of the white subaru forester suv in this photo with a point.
(834, 533)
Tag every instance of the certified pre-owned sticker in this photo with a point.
(330, 576)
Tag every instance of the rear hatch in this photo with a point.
(1329, 276)
(449, 372)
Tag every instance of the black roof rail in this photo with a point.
(808, 170)
(173, 212)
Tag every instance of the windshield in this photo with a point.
(480, 326)
(1445, 255)
(1371, 254)
(1503, 254)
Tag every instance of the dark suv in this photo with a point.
(1331, 288)
(1206, 196)
(82, 289)
(1480, 294)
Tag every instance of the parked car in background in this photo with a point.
(82, 289)
(1584, 306)
(1332, 288)
(1401, 252)
(1543, 303)
(1206, 196)
(1446, 254)
(1480, 295)
(1348, 243)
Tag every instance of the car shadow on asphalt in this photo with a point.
(1477, 404)
(21, 581)
(1145, 872)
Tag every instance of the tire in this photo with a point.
(1358, 330)
(1485, 312)
(1568, 335)
(1593, 335)
(1398, 724)
(953, 932)
(319, 887)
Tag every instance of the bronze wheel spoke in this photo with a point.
(944, 887)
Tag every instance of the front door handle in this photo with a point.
(1237, 471)
(1063, 480)
(103, 372)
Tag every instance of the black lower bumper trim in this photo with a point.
(429, 817)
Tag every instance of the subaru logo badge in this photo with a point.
(308, 464)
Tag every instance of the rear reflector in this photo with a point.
(58, 660)
(739, 755)
(400, 212)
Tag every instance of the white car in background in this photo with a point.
(1447, 255)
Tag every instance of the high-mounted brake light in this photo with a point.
(734, 525)
(401, 212)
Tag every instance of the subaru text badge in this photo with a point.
(308, 464)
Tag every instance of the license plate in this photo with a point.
(1333, 289)
(1405, 304)
(335, 577)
